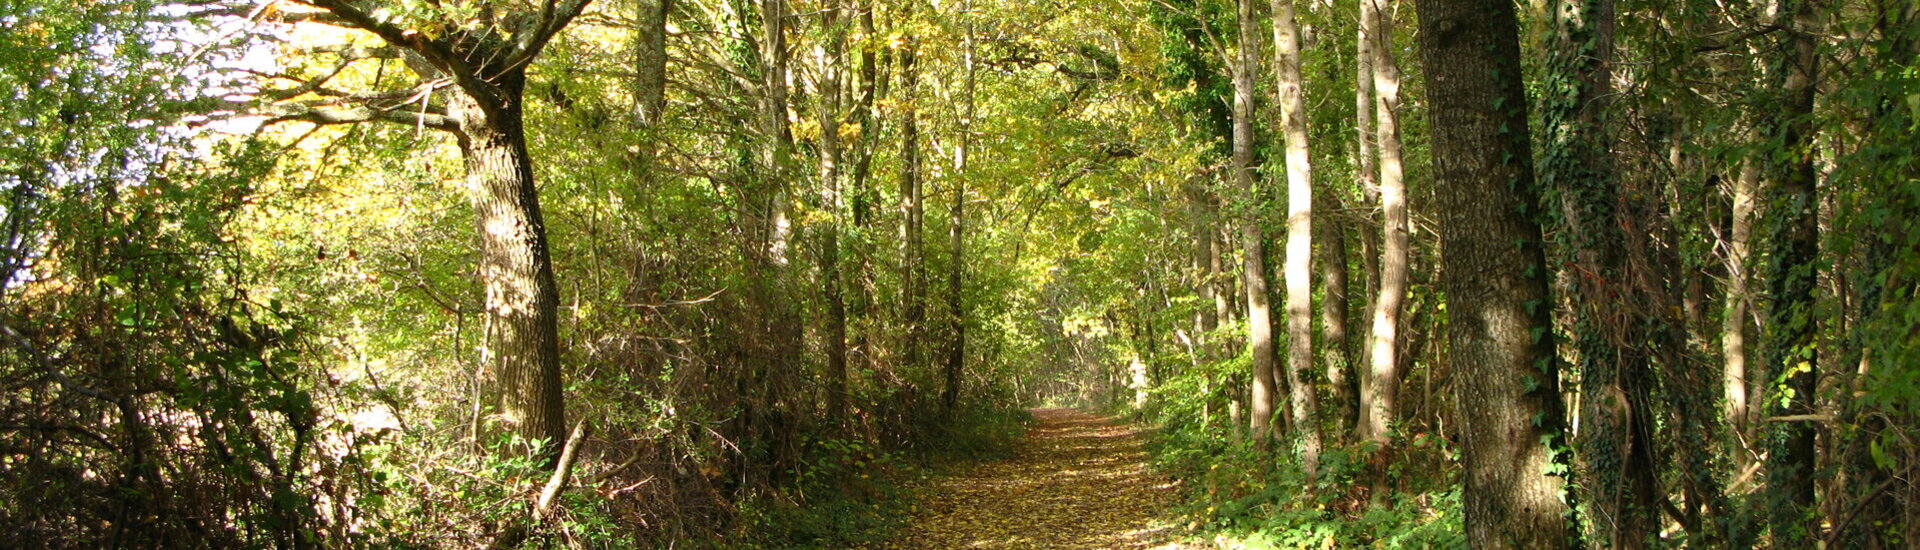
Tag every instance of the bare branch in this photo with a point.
(326, 114)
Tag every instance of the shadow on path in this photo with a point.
(1076, 481)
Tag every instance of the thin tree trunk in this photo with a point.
(956, 234)
(913, 288)
(831, 54)
(1298, 271)
(1737, 325)
(778, 155)
(1495, 278)
(1380, 387)
(1334, 315)
(1253, 257)
(873, 75)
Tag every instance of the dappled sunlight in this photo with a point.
(1078, 481)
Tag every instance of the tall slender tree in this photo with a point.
(1379, 387)
(1298, 271)
(957, 228)
(1253, 262)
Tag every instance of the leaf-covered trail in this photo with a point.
(1075, 482)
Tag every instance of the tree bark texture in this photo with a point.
(1495, 277)
(522, 349)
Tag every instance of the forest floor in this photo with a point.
(1075, 482)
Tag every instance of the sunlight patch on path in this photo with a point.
(1076, 482)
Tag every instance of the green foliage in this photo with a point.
(1240, 496)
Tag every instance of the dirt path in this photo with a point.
(1076, 482)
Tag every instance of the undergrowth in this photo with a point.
(853, 493)
(1237, 495)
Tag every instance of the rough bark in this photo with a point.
(1253, 263)
(522, 350)
(1298, 270)
(1495, 278)
(650, 62)
(1379, 388)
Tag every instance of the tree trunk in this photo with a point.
(1253, 265)
(650, 62)
(912, 199)
(522, 348)
(779, 151)
(831, 57)
(956, 235)
(1736, 324)
(1298, 271)
(1791, 324)
(873, 75)
(1333, 315)
(1380, 387)
(1495, 278)
(1610, 327)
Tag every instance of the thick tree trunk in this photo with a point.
(1298, 271)
(1791, 324)
(1253, 265)
(1610, 326)
(650, 62)
(1379, 388)
(1495, 278)
(522, 346)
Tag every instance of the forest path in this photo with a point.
(1075, 482)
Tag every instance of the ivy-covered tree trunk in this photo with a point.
(1495, 278)
(1792, 327)
(1253, 262)
(1611, 324)
(1298, 271)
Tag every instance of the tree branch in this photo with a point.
(322, 113)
